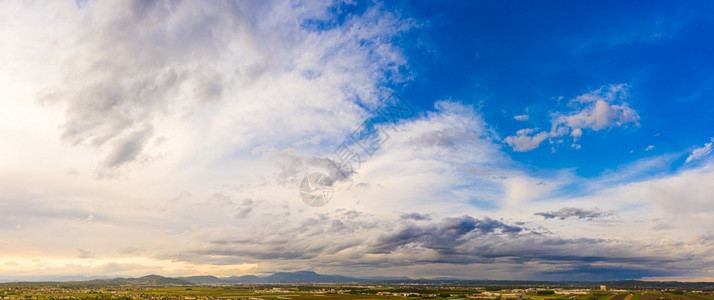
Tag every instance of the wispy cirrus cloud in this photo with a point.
(700, 153)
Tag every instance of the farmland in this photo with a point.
(331, 292)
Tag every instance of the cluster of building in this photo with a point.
(492, 295)
(406, 294)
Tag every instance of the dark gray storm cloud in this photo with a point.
(444, 236)
(573, 212)
(349, 239)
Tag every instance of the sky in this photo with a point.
(543, 140)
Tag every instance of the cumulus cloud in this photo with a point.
(700, 153)
(597, 110)
(524, 141)
(574, 212)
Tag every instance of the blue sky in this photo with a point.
(519, 58)
(549, 140)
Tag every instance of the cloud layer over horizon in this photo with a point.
(171, 137)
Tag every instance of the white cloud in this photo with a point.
(121, 76)
(699, 153)
(599, 116)
(521, 117)
(649, 148)
(596, 110)
(524, 141)
(576, 133)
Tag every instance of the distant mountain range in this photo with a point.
(153, 280)
(281, 277)
(310, 277)
(286, 277)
